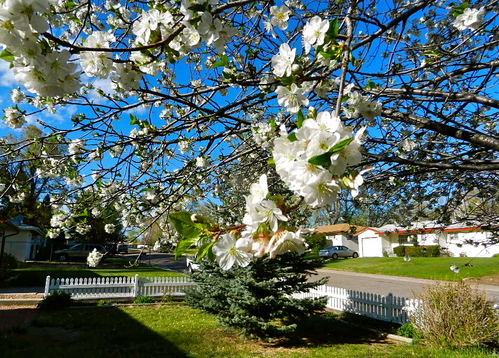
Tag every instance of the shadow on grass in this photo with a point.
(86, 332)
(328, 329)
(36, 277)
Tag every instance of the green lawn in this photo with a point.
(177, 331)
(436, 268)
(36, 276)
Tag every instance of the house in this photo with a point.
(459, 239)
(19, 239)
(365, 240)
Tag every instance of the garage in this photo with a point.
(371, 247)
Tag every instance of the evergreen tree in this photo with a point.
(257, 299)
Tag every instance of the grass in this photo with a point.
(111, 267)
(435, 268)
(177, 331)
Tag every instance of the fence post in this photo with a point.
(389, 307)
(135, 291)
(47, 286)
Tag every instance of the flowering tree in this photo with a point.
(154, 99)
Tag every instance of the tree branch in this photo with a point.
(479, 139)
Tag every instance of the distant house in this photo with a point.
(20, 240)
(471, 240)
(459, 239)
(365, 240)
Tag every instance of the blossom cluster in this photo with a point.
(41, 69)
(313, 161)
(94, 258)
(263, 233)
(470, 19)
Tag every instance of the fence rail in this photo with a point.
(118, 287)
(383, 307)
(388, 307)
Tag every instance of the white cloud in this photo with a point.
(6, 75)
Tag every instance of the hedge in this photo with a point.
(417, 251)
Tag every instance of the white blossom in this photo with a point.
(283, 61)
(109, 228)
(280, 16)
(230, 251)
(470, 19)
(293, 99)
(94, 258)
(314, 32)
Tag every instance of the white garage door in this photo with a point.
(371, 247)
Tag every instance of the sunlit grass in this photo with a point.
(36, 276)
(436, 268)
(177, 331)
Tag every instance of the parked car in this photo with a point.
(79, 251)
(111, 249)
(122, 248)
(338, 251)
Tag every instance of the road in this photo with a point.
(380, 284)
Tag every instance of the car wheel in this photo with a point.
(63, 257)
(355, 255)
(334, 256)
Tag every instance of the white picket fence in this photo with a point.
(388, 308)
(118, 287)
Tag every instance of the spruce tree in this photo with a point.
(257, 299)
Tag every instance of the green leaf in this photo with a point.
(299, 119)
(327, 55)
(292, 137)
(199, 7)
(340, 145)
(286, 81)
(333, 30)
(182, 222)
(371, 84)
(183, 245)
(458, 10)
(134, 120)
(223, 62)
(323, 160)
(204, 250)
(7, 56)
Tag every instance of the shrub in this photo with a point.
(257, 299)
(399, 250)
(104, 303)
(9, 263)
(407, 330)
(55, 301)
(455, 315)
(316, 242)
(423, 251)
(144, 299)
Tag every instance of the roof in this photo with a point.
(20, 226)
(340, 229)
(428, 226)
(8, 223)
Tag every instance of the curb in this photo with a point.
(19, 302)
(382, 334)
